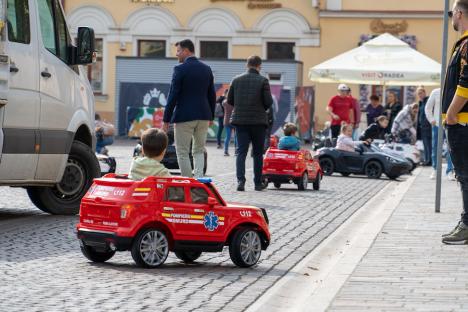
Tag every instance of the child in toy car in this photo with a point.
(289, 142)
(157, 215)
(154, 145)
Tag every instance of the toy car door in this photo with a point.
(311, 168)
(352, 161)
(176, 211)
(212, 215)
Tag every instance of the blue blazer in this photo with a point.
(192, 95)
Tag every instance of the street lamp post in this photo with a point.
(440, 136)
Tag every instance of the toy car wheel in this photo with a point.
(345, 174)
(188, 256)
(373, 169)
(96, 256)
(150, 249)
(413, 165)
(316, 184)
(302, 183)
(277, 185)
(245, 248)
(327, 165)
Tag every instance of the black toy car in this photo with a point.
(369, 160)
(170, 158)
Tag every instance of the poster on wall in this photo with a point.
(141, 107)
(281, 107)
(305, 111)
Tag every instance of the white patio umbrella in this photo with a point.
(384, 60)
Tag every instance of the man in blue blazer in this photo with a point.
(190, 107)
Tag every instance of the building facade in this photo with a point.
(309, 31)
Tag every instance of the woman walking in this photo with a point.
(230, 130)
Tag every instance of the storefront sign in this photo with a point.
(256, 4)
(379, 27)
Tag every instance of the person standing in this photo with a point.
(432, 111)
(340, 108)
(269, 129)
(230, 130)
(250, 95)
(374, 109)
(190, 106)
(356, 113)
(455, 112)
(219, 114)
(392, 108)
(105, 132)
(424, 126)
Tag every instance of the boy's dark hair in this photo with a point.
(289, 129)
(97, 116)
(154, 142)
(254, 61)
(186, 44)
(374, 98)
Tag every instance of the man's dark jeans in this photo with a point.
(457, 137)
(426, 136)
(220, 130)
(245, 135)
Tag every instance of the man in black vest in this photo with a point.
(251, 97)
(455, 113)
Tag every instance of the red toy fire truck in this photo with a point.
(299, 167)
(157, 215)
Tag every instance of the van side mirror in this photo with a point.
(212, 201)
(84, 52)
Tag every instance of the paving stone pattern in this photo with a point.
(42, 269)
(408, 268)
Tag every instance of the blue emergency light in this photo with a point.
(205, 180)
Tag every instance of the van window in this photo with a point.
(199, 195)
(62, 34)
(175, 194)
(18, 21)
(46, 17)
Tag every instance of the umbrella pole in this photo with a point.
(440, 137)
(384, 94)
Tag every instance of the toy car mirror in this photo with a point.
(212, 201)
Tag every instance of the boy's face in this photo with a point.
(348, 131)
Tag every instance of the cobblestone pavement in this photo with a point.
(42, 269)
(408, 268)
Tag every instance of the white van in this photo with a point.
(46, 105)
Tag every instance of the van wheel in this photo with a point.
(245, 248)
(65, 197)
(277, 185)
(96, 256)
(188, 256)
(150, 249)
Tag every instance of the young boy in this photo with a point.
(154, 144)
(289, 142)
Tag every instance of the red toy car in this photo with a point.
(299, 167)
(157, 215)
